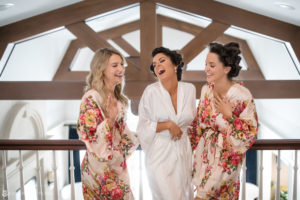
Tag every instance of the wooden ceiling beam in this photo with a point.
(244, 75)
(195, 30)
(148, 39)
(179, 25)
(66, 62)
(126, 46)
(120, 30)
(88, 36)
(115, 32)
(131, 73)
(246, 52)
(199, 43)
(60, 17)
(64, 73)
(69, 90)
(237, 17)
(296, 44)
(57, 18)
(159, 33)
(3, 46)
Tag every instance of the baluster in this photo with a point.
(38, 175)
(72, 168)
(5, 191)
(55, 176)
(21, 175)
(261, 168)
(244, 168)
(295, 175)
(278, 177)
(141, 176)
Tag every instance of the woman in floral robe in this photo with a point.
(225, 126)
(102, 128)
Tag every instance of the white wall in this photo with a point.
(53, 114)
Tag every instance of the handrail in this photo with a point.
(11, 144)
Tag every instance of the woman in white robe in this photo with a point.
(166, 109)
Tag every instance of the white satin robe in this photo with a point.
(168, 163)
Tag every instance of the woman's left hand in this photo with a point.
(223, 106)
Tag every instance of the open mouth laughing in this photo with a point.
(161, 71)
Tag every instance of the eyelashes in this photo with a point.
(161, 61)
(116, 65)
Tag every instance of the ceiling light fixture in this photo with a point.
(284, 5)
(6, 6)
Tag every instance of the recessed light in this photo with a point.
(6, 6)
(285, 5)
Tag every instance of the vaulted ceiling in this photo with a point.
(68, 84)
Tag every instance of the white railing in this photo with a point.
(54, 145)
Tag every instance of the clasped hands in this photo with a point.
(175, 130)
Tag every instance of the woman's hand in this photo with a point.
(175, 131)
(111, 109)
(222, 105)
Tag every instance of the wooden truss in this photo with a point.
(69, 84)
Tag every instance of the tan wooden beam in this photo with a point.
(58, 18)
(246, 52)
(148, 40)
(195, 30)
(193, 75)
(126, 46)
(234, 16)
(88, 36)
(134, 61)
(3, 46)
(179, 25)
(296, 44)
(133, 89)
(72, 76)
(115, 32)
(63, 72)
(134, 106)
(120, 30)
(132, 71)
(159, 33)
(199, 43)
(65, 64)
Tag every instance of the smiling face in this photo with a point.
(114, 70)
(215, 69)
(163, 67)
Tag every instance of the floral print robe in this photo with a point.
(103, 169)
(220, 144)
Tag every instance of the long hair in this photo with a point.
(95, 78)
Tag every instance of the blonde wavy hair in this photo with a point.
(95, 78)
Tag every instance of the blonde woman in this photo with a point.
(102, 128)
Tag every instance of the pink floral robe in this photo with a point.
(103, 170)
(220, 145)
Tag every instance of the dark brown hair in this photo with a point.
(228, 55)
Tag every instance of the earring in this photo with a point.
(175, 70)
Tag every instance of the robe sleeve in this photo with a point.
(146, 128)
(239, 132)
(128, 138)
(93, 129)
(195, 131)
